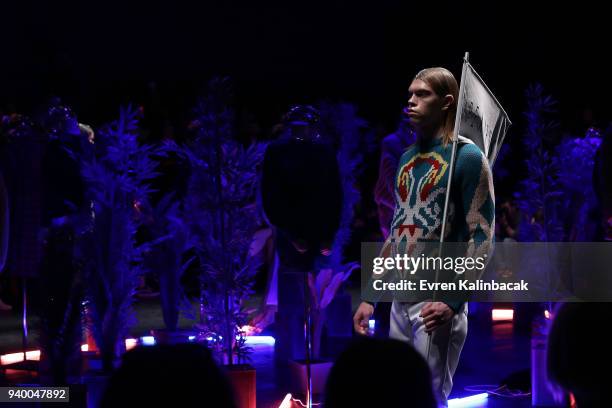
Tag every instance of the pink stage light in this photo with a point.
(250, 330)
(286, 403)
(130, 343)
(502, 314)
(12, 358)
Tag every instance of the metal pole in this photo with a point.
(308, 340)
(24, 317)
(450, 171)
(454, 149)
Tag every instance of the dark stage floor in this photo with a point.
(491, 353)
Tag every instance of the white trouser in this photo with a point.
(446, 343)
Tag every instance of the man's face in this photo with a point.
(425, 108)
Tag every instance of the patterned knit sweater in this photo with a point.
(420, 186)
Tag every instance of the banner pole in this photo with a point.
(450, 171)
(454, 148)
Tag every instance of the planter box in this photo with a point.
(319, 371)
(243, 379)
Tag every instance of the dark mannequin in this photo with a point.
(302, 199)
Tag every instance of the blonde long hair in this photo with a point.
(443, 83)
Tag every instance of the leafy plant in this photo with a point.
(116, 171)
(574, 159)
(221, 214)
(538, 198)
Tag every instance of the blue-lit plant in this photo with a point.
(540, 196)
(540, 193)
(116, 170)
(221, 213)
(557, 194)
(574, 159)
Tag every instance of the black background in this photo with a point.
(96, 56)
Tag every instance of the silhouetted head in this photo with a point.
(60, 121)
(379, 373)
(182, 375)
(302, 122)
(578, 352)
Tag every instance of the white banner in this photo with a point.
(483, 120)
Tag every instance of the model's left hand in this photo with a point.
(435, 314)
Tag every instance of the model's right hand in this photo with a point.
(362, 317)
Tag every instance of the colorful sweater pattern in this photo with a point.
(420, 187)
